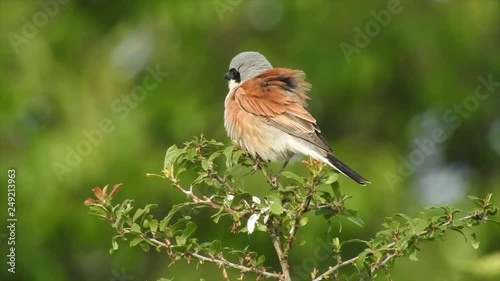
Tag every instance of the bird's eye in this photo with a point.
(232, 74)
(235, 75)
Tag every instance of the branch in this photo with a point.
(335, 268)
(205, 200)
(386, 260)
(303, 209)
(286, 208)
(282, 258)
(223, 262)
(383, 263)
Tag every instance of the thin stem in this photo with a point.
(303, 209)
(205, 200)
(224, 262)
(335, 268)
(384, 262)
(285, 276)
(224, 182)
(392, 244)
(338, 258)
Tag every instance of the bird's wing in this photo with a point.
(279, 97)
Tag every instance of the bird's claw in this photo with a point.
(274, 181)
(257, 166)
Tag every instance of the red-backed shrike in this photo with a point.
(265, 113)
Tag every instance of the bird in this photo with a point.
(265, 113)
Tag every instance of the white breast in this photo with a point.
(232, 85)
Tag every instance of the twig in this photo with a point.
(335, 268)
(282, 258)
(296, 226)
(383, 263)
(205, 200)
(224, 262)
(224, 182)
(392, 244)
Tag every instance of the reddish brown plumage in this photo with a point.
(275, 99)
(269, 94)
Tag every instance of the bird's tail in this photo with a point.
(345, 170)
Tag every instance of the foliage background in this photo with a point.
(90, 53)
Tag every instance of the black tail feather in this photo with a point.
(345, 170)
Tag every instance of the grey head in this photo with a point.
(246, 66)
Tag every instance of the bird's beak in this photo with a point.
(227, 76)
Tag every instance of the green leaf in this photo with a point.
(336, 189)
(406, 217)
(261, 227)
(219, 215)
(353, 218)
(228, 152)
(325, 212)
(325, 197)
(293, 176)
(191, 154)
(277, 208)
(333, 177)
(145, 247)
(236, 155)
(149, 207)
(175, 208)
(137, 214)
(98, 211)
(419, 225)
(239, 199)
(361, 259)
(114, 244)
(402, 244)
(261, 260)
(180, 170)
(303, 221)
(181, 239)
(205, 164)
(475, 242)
(190, 228)
(171, 156)
(413, 254)
(135, 228)
(136, 241)
(153, 225)
(215, 246)
(214, 156)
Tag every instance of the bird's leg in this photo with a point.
(282, 168)
(257, 165)
(275, 178)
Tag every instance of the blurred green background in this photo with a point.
(70, 70)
